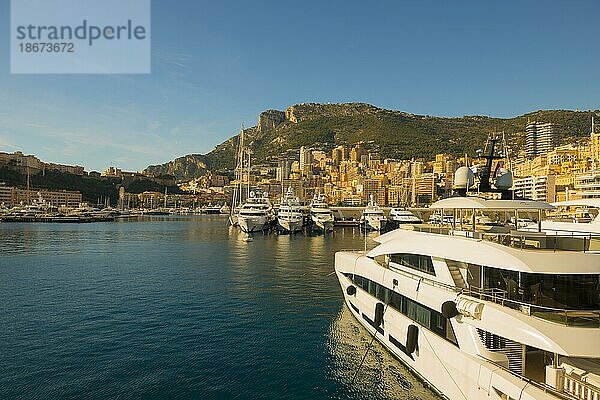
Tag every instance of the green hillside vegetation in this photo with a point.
(394, 134)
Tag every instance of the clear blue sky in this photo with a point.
(216, 64)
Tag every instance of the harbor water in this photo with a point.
(182, 308)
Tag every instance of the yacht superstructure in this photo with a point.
(401, 216)
(506, 314)
(373, 217)
(289, 215)
(256, 214)
(321, 217)
(575, 217)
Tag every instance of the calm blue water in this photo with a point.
(181, 308)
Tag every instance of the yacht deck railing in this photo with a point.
(576, 318)
(525, 240)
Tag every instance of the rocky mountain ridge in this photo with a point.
(395, 134)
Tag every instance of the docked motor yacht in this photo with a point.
(321, 217)
(583, 220)
(506, 314)
(401, 216)
(373, 217)
(289, 216)
(256, 214)
(483, 312)
(211, 209)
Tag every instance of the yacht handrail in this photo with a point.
(568, 317)
(523, 240)
(542, 386)
(580, 389)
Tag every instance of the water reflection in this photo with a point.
(186, 309)
(381, 376)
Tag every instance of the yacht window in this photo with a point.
(568, 291)
(430, 319)
(372, 287)
(418, 313)
(414, 261)
(396, 301)
(438, 324)
(562, 291)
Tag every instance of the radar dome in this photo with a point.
(504, 179)
(463, 178)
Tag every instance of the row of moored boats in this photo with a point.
(290, 216)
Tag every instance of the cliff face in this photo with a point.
(393, 134)
(270, 119)
(186, 167)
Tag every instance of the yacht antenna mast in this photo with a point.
(484, 178)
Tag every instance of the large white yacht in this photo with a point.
(321, 216)
(401, 216)
(256, 214)
(574, 217)
(483, 313)
(373, 217)
(289, 216)
(497, 314)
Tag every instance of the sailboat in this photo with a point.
(237, 201)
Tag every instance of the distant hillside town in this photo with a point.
(543, 171)
(544, 168)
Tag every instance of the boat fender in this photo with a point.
(351, 290)
(378, 314)
(412, 337)
(449, 309)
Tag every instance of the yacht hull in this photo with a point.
(451, 372)
(322, 226)
(253, 223)
(289, 225)
(373, 224)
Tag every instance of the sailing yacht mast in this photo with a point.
(237, 198)
(249, 169)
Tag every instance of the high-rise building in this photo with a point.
(356, 153)
(284, 167)
(540, 138)
(588, 184)
(595, 146)
(539, 188)
(305, 160)
(336, 156)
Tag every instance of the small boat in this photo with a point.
(211, 209)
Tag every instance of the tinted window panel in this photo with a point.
(414, 261)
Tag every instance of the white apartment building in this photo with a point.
(587, 184)
(539, 188)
